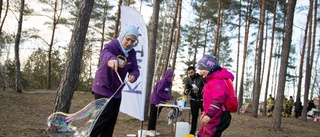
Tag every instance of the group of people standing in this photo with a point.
(289, 106)
(207, 91)
(118, 60)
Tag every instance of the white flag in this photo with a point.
(133, 94)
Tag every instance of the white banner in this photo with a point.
(133, 94)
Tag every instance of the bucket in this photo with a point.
(181, 102)
(144, 133)
(131, 135)
(189, 135)
(182, 129)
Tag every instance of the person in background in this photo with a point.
(311, 106)
(215, 118)
(271, 103)
(290, 105)
(298, 108)
(117, 57)
(160, 94)
(193, 87)
(285, 107)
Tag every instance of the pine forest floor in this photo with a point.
(25, 115)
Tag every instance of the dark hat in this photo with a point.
(208, 62)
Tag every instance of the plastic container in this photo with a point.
(144, 133)
(182, 129)
(189, 135)
(131, 135)
(181, 102)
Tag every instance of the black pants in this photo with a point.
(297, 114)
(223, 124)
(195, 106)
(153, 116)
(105, 124)
(290, 111)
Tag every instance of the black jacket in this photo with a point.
(199, 82)
(298, 106)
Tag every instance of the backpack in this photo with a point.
(232, 100)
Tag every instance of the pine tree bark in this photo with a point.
(169, 44)
(177, 37)
(73, 63)
(152, 53)
(116, 27)
(55, 21)
(5, 15)
(313, 41)
(239, 43)
(216, 39)
(197, 36)
(308, 66)
(245, 45)
(270, 54)
(283, 66)
(16, 48)
(303, 49)
(256, 95)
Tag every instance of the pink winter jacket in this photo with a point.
(215, 93)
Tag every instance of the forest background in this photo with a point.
(250, 37)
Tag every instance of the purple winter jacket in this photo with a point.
(106, 81)
(161, 90)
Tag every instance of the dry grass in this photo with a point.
(25, 114)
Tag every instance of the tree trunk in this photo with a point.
(152, 53)
(239, 43)
(169, 45)
(316, 84)
(255, 103)
(216, 39)
(313, 41)
(5, 15)
(275, 70)
(1, 3)
(176, 47)
(16, 48)
(284, 63)
(264, 64)
(270, 55)
(54, 25)
(308, 67)
(206, 37)
(265, 49)
(245, 45)
(197, 36)
(303, 49)
(72, 66)
(116, 27)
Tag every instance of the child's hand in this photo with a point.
(201, 117)
(205, 119)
